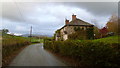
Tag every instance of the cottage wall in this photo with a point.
(65, 37)
(70, 29)
(67, 30)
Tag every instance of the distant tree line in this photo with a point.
(5, 31)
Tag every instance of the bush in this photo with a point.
(12, 43)
(81, 35)
(92, 54)
(90, 33)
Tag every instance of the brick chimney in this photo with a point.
(73, 17)
(66, 21)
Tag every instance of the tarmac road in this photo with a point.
(35, 55)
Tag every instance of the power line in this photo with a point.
(22, 16)
(19, 11)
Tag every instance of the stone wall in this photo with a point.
(67, 30)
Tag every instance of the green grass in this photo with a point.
(111, 39)
(35, 40)
(13, 40)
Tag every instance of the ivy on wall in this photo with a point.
(77, 28)
(79, 34)
(82, 34)
(90, 33)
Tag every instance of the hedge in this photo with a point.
(10, 44)
(90, 54)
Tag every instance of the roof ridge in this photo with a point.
(78, 22)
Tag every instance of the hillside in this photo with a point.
(35, 35)
(13, 40)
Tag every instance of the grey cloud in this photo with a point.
(48, 17)
(97, 8)
(11, 12)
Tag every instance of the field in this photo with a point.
(9, 40)
(98, 53)
(35, 40)
(112, 39)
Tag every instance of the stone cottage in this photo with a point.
(69, 28)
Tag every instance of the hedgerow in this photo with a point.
(11, 44)
(92, 54)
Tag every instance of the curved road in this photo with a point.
(35, 55)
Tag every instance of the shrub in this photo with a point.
(12, 43)
(81, 35)
(92, 54)
(90, 33)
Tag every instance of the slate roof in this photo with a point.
(78, 22)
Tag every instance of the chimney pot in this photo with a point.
(67, 21)
(73, 17)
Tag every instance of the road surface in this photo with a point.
(35, 55)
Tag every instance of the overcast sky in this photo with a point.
(47, 17)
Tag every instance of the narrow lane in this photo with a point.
(35, 55)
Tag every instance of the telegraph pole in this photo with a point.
(30, 33)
